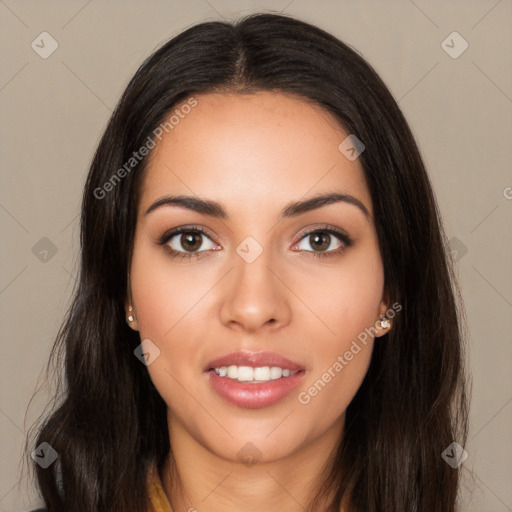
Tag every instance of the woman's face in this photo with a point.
(272, 280)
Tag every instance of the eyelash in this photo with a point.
(341, 235)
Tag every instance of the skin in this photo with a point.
(254, 154)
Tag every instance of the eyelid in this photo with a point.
(171, 233)
(326, 228)
(341, 234)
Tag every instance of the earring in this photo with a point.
(130, 316)
(385, 323)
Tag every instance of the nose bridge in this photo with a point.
(254, 297)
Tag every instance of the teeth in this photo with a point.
(276, 372)
(250, 374)
(262, 373)
(245, 373)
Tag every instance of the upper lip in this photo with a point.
(254, 359)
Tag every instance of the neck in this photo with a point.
(196, 479)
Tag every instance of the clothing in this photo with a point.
(158, 498)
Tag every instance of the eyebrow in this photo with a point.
(293, 209)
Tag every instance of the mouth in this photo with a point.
(256, 375)
(254, 380)
(254, 360)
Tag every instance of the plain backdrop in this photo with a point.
(457, 99)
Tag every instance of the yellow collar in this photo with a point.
(157, 496)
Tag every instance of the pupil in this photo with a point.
(190, 241)
(320, 241)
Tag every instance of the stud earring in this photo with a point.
(130, 316)
(385, 323)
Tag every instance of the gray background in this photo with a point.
(55, 109)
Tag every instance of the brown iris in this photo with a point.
(191, 241)
(320, 241)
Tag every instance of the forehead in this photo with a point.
(261, 149)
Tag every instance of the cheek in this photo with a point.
(344, 297)
(173, 311)
(346, 300)
(166, 306)
(341, 357)
(165, 293)
(327, 394)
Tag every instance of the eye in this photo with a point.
(187, 241)
(324, 241)
(191, 241)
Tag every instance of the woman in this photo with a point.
(266, 316)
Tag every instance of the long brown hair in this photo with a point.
(110, 424)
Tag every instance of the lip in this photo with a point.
(252, 395)
(254, 359)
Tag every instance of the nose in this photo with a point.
(254, 298)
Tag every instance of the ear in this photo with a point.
(383, 323)
(131, 317)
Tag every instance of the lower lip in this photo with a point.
(254, 396)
